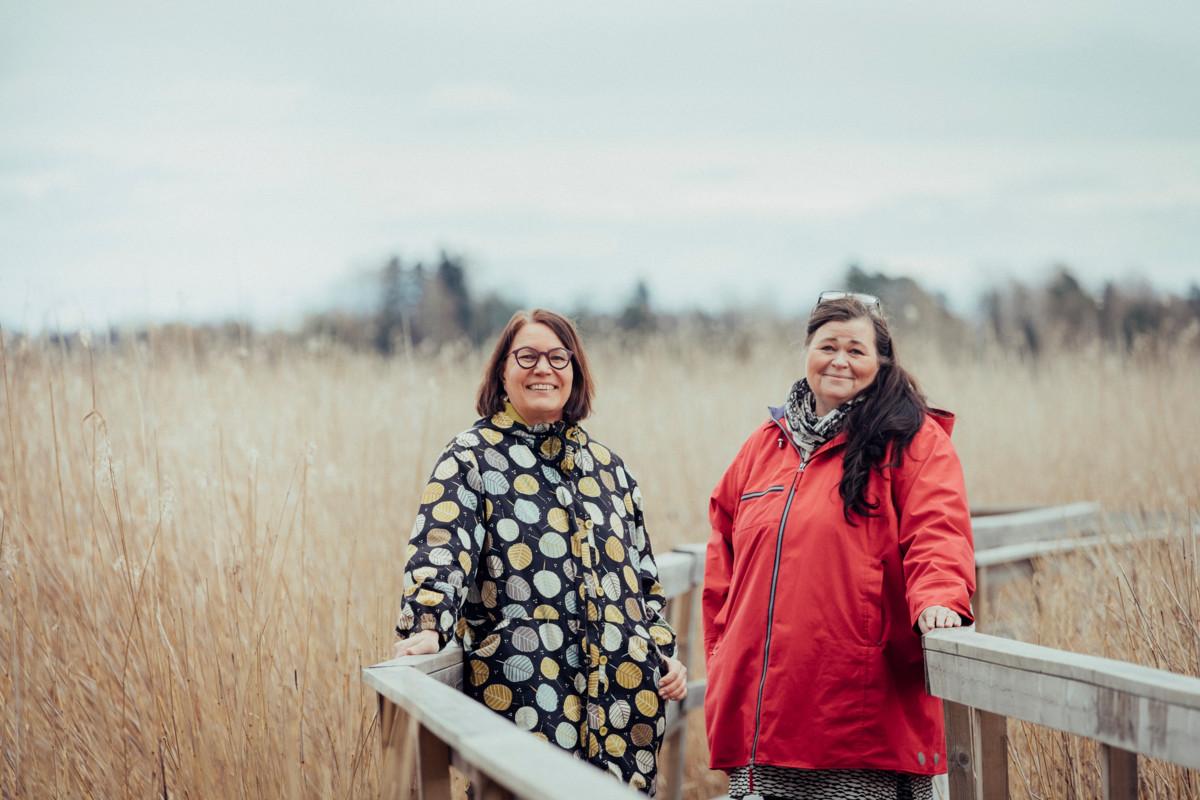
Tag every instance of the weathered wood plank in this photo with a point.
(509, 756)
(695, 696)
(1146, 682)
(433, 766)
(982, 599)
(444, 666)
(962, 751)
(1026, 551)
(683, 619)
(1134, 708)
(450, 676)
(697, 551)
(398, 756)
(675, 572)
(449, 656)
(677, 712)
(1039, 524)
(479, 785)
(993, 754)
(1118, 774)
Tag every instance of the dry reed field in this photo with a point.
(201, 544)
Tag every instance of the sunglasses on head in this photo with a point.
(868, 300)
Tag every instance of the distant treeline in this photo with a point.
(428, 306)
(1031, 318)
(418, 307)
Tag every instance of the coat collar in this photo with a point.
(941, 416)
(509, 420)
(778, 418)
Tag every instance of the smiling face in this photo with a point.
(842, 361)
(540, 392)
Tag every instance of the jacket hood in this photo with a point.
(943, 418)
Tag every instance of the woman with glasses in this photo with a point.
(840, 535)
(530, 548)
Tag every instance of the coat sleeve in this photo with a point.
(444, 547)
(647, 568)
(935, 526)
(718, 560)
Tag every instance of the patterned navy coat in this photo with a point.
(530, 548)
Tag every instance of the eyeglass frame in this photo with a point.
(539, 354)
(868, 300)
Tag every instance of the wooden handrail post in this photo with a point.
(993, 754)
(480, 786)
(976, 753)
(416, 764)
(683, 620)
(980, 602)
(962, 751)
(433, 766)
(398, 760)
(1119, 773)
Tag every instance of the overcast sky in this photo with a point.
(163, 159)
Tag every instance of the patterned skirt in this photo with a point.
(787, 783)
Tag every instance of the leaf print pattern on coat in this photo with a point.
(530, 547)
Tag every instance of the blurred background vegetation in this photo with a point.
(419, 306)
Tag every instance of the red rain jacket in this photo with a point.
(830, 608)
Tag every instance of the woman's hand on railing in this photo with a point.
(418, 644)
(938, 617)
(673, 686)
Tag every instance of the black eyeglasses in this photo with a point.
(558, 358)
(868, 300)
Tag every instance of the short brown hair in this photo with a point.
(490, 399)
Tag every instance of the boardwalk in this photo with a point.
(427, 725)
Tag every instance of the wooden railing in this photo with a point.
(1008, 540)
(426, 724)
(984, 679)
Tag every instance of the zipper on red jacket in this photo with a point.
(762, 681)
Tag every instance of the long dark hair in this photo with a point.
(891, 413)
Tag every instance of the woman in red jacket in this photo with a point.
(840, 533)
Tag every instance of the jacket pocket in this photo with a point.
(508, 673)
(508, 654)
(875, 604)
(762, 493)
(757, 512)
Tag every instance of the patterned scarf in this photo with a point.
(808, 430)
